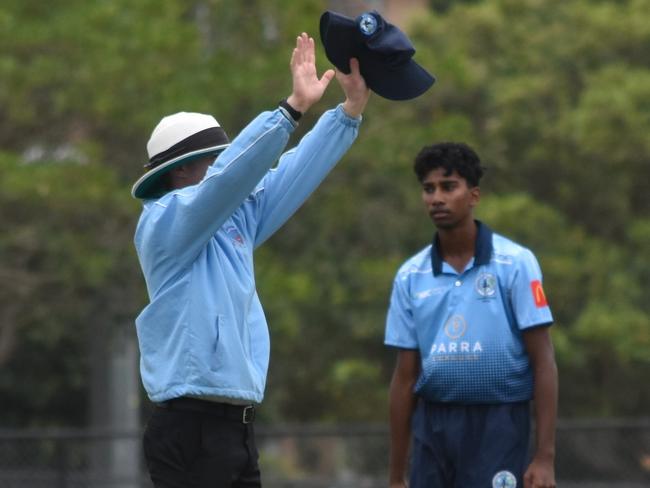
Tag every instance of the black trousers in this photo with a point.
(191, 443)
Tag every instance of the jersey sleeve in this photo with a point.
(529, 302)
(400, 326)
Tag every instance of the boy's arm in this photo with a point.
(541, 472)
(402, 404)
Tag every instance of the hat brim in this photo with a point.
(341, 41)
(149, 185)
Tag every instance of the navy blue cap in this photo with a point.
(384, 52)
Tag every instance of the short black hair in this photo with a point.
(450, 156)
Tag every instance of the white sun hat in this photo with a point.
(177, 139)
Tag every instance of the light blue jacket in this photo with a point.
(204, 332)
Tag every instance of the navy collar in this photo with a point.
(482, 248)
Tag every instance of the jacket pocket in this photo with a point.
(215, 360)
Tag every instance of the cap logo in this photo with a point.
(367, 24)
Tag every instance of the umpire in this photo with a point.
(208, 203)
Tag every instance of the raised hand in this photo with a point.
(307, 87)
(355, 89)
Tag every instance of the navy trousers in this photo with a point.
(469, 446)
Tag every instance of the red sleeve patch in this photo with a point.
(538, 294)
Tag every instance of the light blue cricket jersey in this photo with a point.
(468, 326)
(204, 332)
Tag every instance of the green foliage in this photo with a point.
(69, 275)
(602, 329)
(553, 95)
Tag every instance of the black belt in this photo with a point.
(242, 413)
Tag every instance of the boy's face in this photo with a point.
(448, 199)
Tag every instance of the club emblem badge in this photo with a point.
(486, 284)
(504, 479)
(367, 24)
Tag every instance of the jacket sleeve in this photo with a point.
(182, 222)
(300, 170)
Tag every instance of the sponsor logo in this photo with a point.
(502, 259)
(455, 327)
(429, 292)
(486, 285)
(234, 235)
(455, 349)
(504, 479)
(538, 294)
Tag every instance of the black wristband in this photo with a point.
(295, 115)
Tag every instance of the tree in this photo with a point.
(553, 95)
(69, 278)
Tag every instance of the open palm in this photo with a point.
(307, 87)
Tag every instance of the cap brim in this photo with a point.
(149, 185)
(408, 81)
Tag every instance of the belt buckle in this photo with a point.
(248, 414)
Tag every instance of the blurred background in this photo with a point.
(553, 94)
